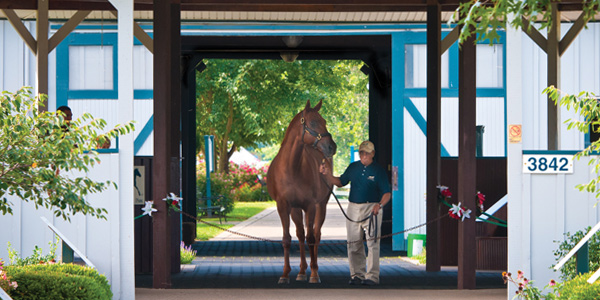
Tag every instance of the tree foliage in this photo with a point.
(249, 103)
(39, 152)
(485, 18)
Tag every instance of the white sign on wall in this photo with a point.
(547, 163)
(138, 185)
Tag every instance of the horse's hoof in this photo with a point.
(301, 277)
(283, 280)
(315, 280)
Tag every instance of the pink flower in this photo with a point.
(552, 283)
(14, 285)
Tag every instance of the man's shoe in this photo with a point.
(354, 281)
(369, 282)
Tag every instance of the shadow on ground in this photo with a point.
(258, 264)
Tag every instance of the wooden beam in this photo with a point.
(535, 35)
(450, 39)
(67, 28)
(161, 227)
(174, 131)
(141, 35)
(18, 25)
(553, 79)
(42, 30)
(434, 108)
(572, 33)
(467, 171)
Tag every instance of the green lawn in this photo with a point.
(241, 211)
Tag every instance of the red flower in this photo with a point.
(453, 215)
(480, 197)
(446, 193)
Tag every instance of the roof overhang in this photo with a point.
(356, 11)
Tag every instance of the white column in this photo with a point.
(519, 249)
(123, 283)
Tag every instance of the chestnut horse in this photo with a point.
(295, 183)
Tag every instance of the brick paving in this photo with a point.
(234, 262)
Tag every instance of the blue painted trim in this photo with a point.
(420, 120)
(143, 135)
(453, 93)
(143, 94)
(551, 152)
(254, 26)
(398, 79)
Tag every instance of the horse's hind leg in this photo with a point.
(284, 215)
(297, 218)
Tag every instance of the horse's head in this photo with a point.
(315, 132)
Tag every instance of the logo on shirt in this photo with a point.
(371, 178)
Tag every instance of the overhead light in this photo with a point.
(289, 56)
(292, 41)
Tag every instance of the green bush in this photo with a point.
(34, 259)
(579, 289)
(240, 184)
(569, 270)
(187, 254)
(58, 281)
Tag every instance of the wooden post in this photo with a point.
(467, 190)
(42, 50)
(553, 52)
(434, 98)
(162, 179)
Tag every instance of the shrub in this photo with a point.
(6, 283)
(187, 254)
(35, 258)
(569, 270)
(58, 281)
(579, 289)
(241, 184)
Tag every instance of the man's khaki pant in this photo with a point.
(361, 266)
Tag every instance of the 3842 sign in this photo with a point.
(547, 163)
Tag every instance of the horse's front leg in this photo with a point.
(284, 216)
(314, 223)
(297, 218)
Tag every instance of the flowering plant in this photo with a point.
(526, 290)
(457, 211)
(173, 201)
(480, 200)
(5, 282)
(148, 209)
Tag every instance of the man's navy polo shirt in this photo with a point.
(368, 183)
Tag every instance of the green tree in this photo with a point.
(485, 18)
(247, 103)
(39, 149)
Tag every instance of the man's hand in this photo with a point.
(324, 169)
(376, 209)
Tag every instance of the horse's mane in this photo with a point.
(288, 131)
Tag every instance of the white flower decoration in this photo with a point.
(148, 208)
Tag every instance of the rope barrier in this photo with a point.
(296, 242)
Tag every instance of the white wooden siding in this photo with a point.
(96, 238)
(554, 207)
(143, 68)
(580, 70)
(91, 67)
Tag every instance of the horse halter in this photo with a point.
(316, 135)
